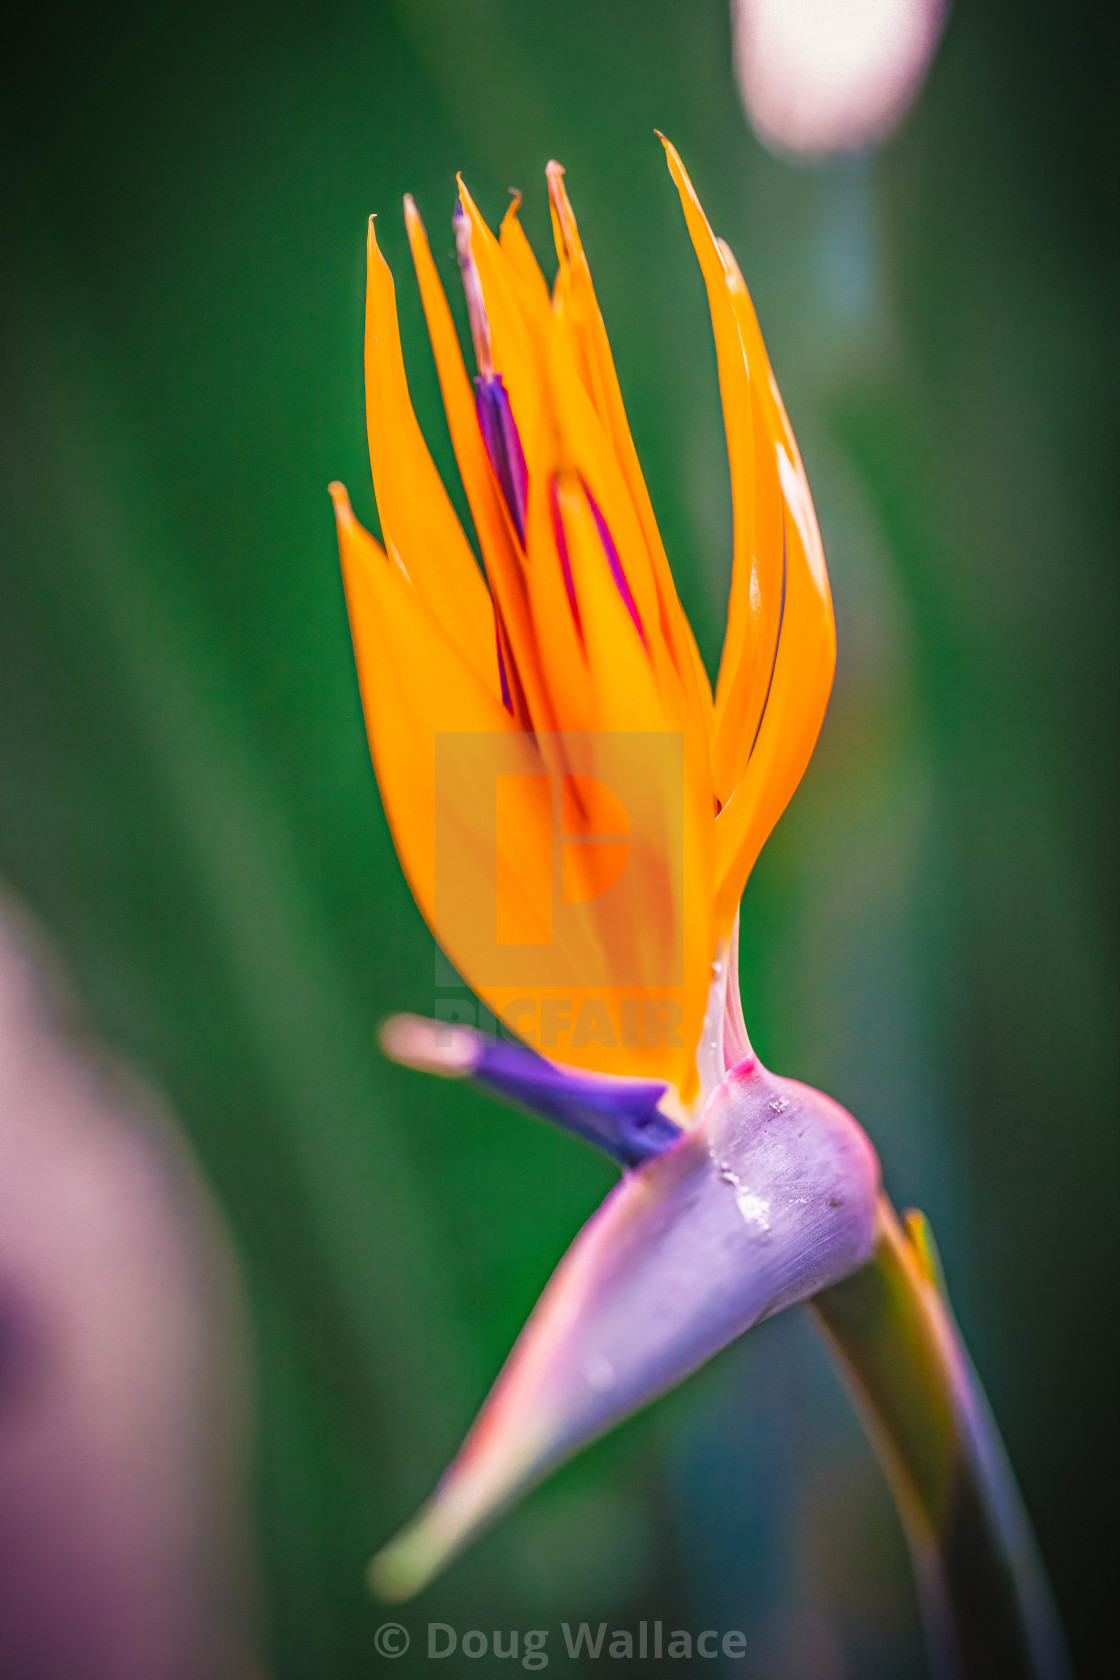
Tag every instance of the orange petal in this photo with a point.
(531, 287)
(780, 650)
(806, 658)
(516, 350)
(419, 523)
(450, 759)
(754, 606)
(794, 711)
(603, 383)
(585, 447)
(619, 669)
(627, 700)
(415, 687)
(559, 642)
(491, 517)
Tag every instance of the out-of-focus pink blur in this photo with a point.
(823, 76)
(121, 1555)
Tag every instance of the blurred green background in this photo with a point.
(186, 800)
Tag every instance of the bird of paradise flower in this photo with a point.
(504, 713)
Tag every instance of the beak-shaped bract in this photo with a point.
(768, 1199)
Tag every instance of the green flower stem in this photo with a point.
(985, 1599)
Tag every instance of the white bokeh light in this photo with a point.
(824, 76)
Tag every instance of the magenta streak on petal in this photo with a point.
(615, 564)
(562, 550)
(503, 445)
(507, 697)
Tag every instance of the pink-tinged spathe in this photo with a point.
(770, 1197)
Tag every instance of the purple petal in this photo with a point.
(768, 1200)
(503, 445)
(622, 1116)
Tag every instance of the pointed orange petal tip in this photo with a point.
(353, 538)
(512, 209)
(562, 209)
(340, 500)
(412, 216)
(348, 522)
(465, 198)
(676, 163)
(554, 173)
(372, 245)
